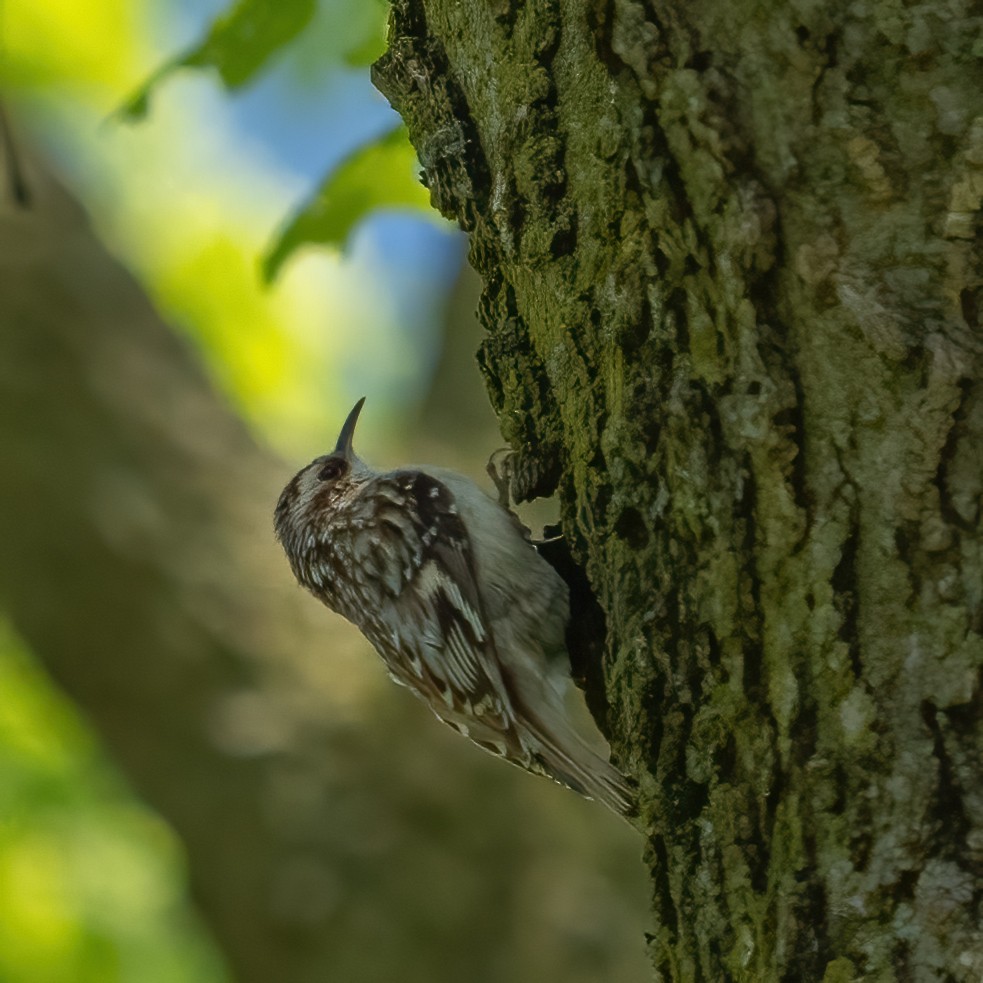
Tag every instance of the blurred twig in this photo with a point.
(16, 182)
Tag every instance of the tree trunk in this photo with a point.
(732, 269)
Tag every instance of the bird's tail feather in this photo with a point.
(576, 765)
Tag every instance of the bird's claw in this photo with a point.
(500, 469)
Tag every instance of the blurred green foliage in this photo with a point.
(92, 883)
(241, 42)
(237, 46)
(383, 174)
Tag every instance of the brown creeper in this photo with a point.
(461, 607)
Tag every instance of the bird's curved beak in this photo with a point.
(344, 446)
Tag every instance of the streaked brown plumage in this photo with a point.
(462, 609)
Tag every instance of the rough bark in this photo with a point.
(732, 271)
(333, 829)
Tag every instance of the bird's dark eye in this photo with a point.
(331, 470)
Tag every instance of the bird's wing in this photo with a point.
(431, 628)
(429, 624)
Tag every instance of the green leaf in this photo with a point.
(238, 46)
(242, 41)
(345, 33)
(369, 44)
(382, 175)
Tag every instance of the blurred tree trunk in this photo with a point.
(732, 267)
(333, 828)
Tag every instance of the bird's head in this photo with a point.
(321, 487)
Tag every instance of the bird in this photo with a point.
(444, 582)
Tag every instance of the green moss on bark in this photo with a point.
(732, 270)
